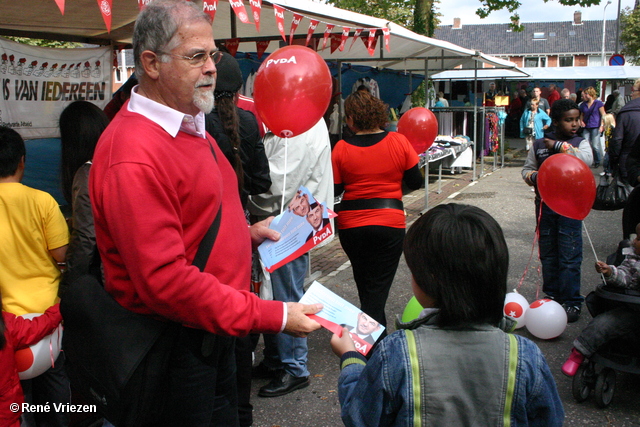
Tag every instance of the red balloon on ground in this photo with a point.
(420, 126)
(292, 90)
(567, 185)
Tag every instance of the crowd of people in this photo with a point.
(179, 159)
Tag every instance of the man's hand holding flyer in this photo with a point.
(303, 225)
(338, 313)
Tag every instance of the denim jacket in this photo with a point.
(406, 383)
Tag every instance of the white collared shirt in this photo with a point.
(166, 117)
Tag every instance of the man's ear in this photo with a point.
(151, 64)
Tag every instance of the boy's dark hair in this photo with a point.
(561, 106)
(458, 256)
(12, 149)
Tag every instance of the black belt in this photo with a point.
(359, 204)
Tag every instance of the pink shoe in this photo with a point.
(572, 364)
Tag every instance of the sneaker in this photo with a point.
(572, 364)
(573, 313)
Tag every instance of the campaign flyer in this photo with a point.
(338, 313)
(303, 225)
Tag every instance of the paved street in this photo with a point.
(504, 195)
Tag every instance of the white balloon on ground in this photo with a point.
(515, 307)
(546, 319)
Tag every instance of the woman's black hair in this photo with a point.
(12, 150)
(458, 256)
(81, 124)
(561, 106)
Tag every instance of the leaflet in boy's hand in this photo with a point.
(303, 225)
(338, 313)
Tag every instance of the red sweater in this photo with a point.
(154, 197)
(20, 333)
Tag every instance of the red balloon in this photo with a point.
(292, 90)
(567, 185)
(420, 126)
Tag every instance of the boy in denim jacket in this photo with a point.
(454, 364)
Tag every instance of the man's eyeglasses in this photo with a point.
(199, 59)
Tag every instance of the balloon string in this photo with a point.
(592, 248)
(284, 179)
(536, 237)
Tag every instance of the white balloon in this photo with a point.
(515, 307)
(546, 319)
(44, 351)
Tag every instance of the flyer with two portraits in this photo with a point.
(303, 225)
(338, 313)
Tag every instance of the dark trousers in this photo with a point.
(244, 362)
(631, 213)
(49, 388)
(374, 252)
(203, 389)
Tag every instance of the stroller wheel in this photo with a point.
(582, 384)
(605, 387)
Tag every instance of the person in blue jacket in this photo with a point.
(533, 123)
(421, 374)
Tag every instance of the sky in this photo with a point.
(530, 11)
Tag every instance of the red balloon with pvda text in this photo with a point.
(292, 90)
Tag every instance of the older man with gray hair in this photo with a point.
(158, 183)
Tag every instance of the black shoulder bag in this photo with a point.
(116, 358)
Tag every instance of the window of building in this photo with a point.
(565, 61)
(538, 36)
(552, 34)
(535, 61)
(595, 61)
(572, 33)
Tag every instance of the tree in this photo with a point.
(512, 6)
(630, 33)
(44, 43)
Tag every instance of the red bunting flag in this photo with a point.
(105, 9)
(336, 41)
(241, 12)
(371, 41)
(345, 36)
(232, 45)
(387, 38)
(313, 24)
(327, 31)
(261, 47)
(256, 9)
(209, 7)
(355, 37)
(143, 3)
(60, 4)
(278, 11)
(294, 25)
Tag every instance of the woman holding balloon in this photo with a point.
(559, 214)
(370, 167)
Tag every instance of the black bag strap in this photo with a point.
(206, 244)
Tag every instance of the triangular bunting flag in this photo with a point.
(313, 24)
(60, 4)
(209, 7)
(241, 12)
(336, 40)
(327, 31)
(105, 9)
(256, 9)
(261, 47)
(355, 37)
(232, 45)
(294, 25)
(371, 41)
(387, 37)
(345, 36)
(278, 11)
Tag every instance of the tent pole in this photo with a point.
(475, 117)
(339, 63)
(426, 158)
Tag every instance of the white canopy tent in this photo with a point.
(545, 73)
(82, 21)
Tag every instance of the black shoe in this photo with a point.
(283, 384)
(262, 371)
(573, 313)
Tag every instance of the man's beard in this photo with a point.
(203, 99)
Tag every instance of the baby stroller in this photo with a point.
(599, 372)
